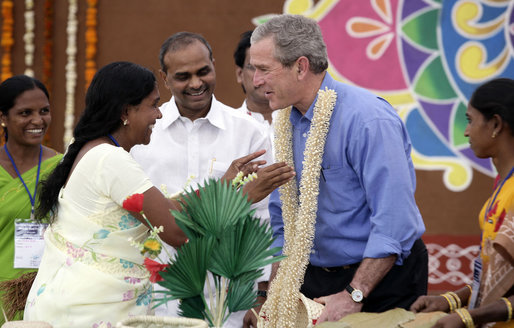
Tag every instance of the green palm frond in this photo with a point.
(185, 277)
(192, 307)
(241, 296)
(249, 276)
(224, 238)
(243, 248)
(218, 207)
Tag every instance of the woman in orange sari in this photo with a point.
(489, 299)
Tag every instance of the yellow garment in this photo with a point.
(498, 230)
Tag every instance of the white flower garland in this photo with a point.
(298, 213)
(71, 72)
(28, 37)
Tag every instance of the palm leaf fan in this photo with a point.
(186, 274)
(244, 249)
(218, 207)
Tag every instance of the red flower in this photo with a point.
(154, 268)
(197, 191)
(134, 203)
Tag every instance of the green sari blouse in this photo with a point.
(16, 204)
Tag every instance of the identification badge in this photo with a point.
(28, 244)
(475, 287)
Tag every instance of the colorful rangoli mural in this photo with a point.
(425, 57)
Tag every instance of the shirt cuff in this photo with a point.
(380, 246)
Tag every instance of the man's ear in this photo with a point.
(302, 66)
(163, 76)
(239, 74)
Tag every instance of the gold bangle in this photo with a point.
(457, 299)
(451, 302)
(465, 317)
(509, 308)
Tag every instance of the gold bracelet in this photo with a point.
(451, 302)
(465, 317)
(457, 299)
(509, 308)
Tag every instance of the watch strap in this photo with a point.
(262, 293)
(350, 290)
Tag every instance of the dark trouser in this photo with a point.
(402, 285)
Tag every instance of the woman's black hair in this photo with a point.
(12, 88)
(496, 97)
(113, 88)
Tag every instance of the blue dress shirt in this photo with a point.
(366, 205)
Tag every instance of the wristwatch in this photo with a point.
(357, 295)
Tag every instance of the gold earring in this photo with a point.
(125, 122)
(3, 125)
(494, 135)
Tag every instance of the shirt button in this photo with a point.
(304, 135)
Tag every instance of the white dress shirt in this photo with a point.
(260, 118)
(184, 153)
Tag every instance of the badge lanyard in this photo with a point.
(477, 265)
(32, 198)
(113, 140)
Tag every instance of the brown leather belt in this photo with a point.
(340, 268)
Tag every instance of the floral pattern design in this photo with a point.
(145, 298)
(128, 221)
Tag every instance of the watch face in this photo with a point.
(357, 295)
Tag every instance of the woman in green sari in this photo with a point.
(24, 118)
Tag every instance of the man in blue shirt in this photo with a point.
(366, 253)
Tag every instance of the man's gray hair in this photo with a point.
(295, 36)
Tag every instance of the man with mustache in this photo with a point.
(198, 137)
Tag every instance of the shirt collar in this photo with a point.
(170, 114)
(215, 114)
(296, 115)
